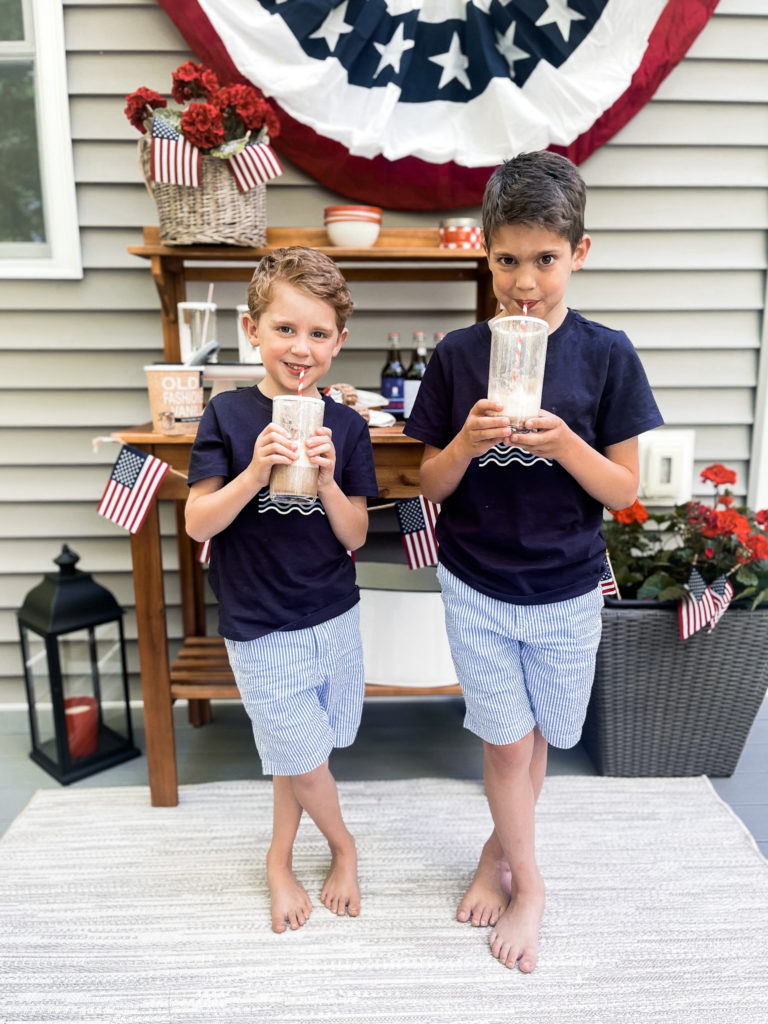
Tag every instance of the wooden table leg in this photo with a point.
(192, 604)
(168, 274)
(153, 660)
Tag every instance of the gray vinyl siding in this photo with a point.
(678, 211)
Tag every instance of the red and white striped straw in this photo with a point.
(301, 383)
(519, 347)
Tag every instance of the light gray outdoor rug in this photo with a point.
(114, 911)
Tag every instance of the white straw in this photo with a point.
(207, 313)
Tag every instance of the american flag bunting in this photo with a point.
(417, 518)
(131, 488)
(383, 100)
(175, 161)
(254, 165)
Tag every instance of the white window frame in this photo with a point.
(57, 172)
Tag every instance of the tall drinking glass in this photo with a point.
(299, 417)
(516, 377)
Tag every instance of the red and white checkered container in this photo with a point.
(461, 233)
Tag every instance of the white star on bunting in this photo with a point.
(333, 27)
(453, 63)
(557, 13)
(505, 44)
(392, 52)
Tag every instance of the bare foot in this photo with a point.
(289, 899)
(341, 892)
(489, 892)
(515, 939)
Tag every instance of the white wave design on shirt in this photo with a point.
(266, 504)
(503, 455)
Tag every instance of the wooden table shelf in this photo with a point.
(404, 254)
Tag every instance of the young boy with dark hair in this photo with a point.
(520, 544)
(288, 601)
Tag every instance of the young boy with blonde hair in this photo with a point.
(288, 601)
(520, 547)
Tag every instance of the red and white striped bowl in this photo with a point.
(353, 227)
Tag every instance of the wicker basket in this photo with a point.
(662, 706)
(216, 212)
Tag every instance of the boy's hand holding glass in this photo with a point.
(546, 434)
(485, 427)
(321, 453)
(273, 447)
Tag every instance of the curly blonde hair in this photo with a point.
(308, 270)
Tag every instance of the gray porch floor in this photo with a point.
(398, 739)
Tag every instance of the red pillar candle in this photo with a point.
(82, 717)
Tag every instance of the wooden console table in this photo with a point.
(406, 254)
(201, 671)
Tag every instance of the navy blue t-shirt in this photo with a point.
(276, 566)
(519, 527)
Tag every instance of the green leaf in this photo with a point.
(762, 596)
(747, 577)
(673, 593)
(653, 586)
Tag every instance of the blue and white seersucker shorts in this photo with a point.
(522, 665)
(303, 690)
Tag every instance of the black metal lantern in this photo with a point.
(73, 649)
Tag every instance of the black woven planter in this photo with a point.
(669, 707)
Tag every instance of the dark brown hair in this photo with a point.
(539, 188)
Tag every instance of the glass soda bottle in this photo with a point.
(415, 371)
(392, 376)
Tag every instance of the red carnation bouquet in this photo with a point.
(219, 120)
(653, 553)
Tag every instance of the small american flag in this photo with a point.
(204, 552)
(722, 595)
(417, 518)
(608, 580)
(254, 165)
(131, 488)
(696, 609)
(175, 161)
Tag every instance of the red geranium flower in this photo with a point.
(757, 544)
(218, 118)
(727, 522)
(634, 513)
(249, 107)
(193, 81)
(653, 561)
(139, 103)
(718, 474)
(203, 125)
